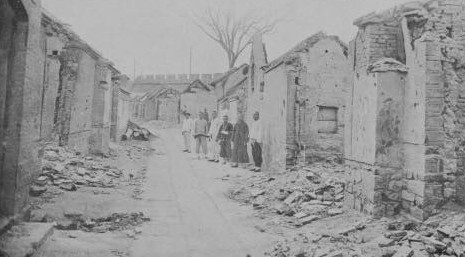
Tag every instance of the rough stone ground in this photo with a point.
(179, 206)
(184, 202)
(304, 206)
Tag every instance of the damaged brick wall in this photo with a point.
(101, 108)
(431, 126)
(21, 75)
(322, 89)
(274, 119)
(78, 81)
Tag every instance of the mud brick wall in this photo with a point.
(432, 121)
(376, 41)
(101, 109)
(114, 109)
(374, 160)
(53, 43)
(274, 119)
(124, 113)
(324, 82)
(51, 84)
(374, 144)
(78, 81)
(21, 73)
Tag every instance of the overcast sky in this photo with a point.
(159, 33)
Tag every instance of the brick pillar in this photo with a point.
(69, 72)
(114, 109)
(101, 109)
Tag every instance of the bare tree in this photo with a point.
(233, 33)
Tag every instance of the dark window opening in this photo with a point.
(327, 120)
(55, 53)
(262, 86)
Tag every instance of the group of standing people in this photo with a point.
(219, 140)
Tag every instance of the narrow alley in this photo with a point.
(212, 128)
(191, 216)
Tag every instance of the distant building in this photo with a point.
(178, 82)
(198, 96)
(162, 104)
(231, 91)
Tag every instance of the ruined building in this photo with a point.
(303, 97)
(21, 76)
(405, 135)
(53, 87)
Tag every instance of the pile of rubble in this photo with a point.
(442, 235)
(114, 222)
(302, 194)
(68, 171)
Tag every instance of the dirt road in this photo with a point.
(191, 216)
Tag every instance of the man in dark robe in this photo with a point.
(240, 138)
(224, 139)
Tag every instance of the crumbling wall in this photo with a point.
(374, 154)
(101, 108)
(431, 126)
(124, 112)
(78, 80)
(114, 108)
(274, 118)
(323, 84)
(21, 75)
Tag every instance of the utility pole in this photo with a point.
(190, 61)
(134, 70)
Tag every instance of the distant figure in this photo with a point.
(256, 141)
(224, 139)
(240, 138)
(187, 132)
(213, 133)
(207, 118)
(200, 136)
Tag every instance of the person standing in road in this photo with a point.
(200, 136)
(240, 138)
(224, 139)
(213, 133)
(187, 132)
(256, 141)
